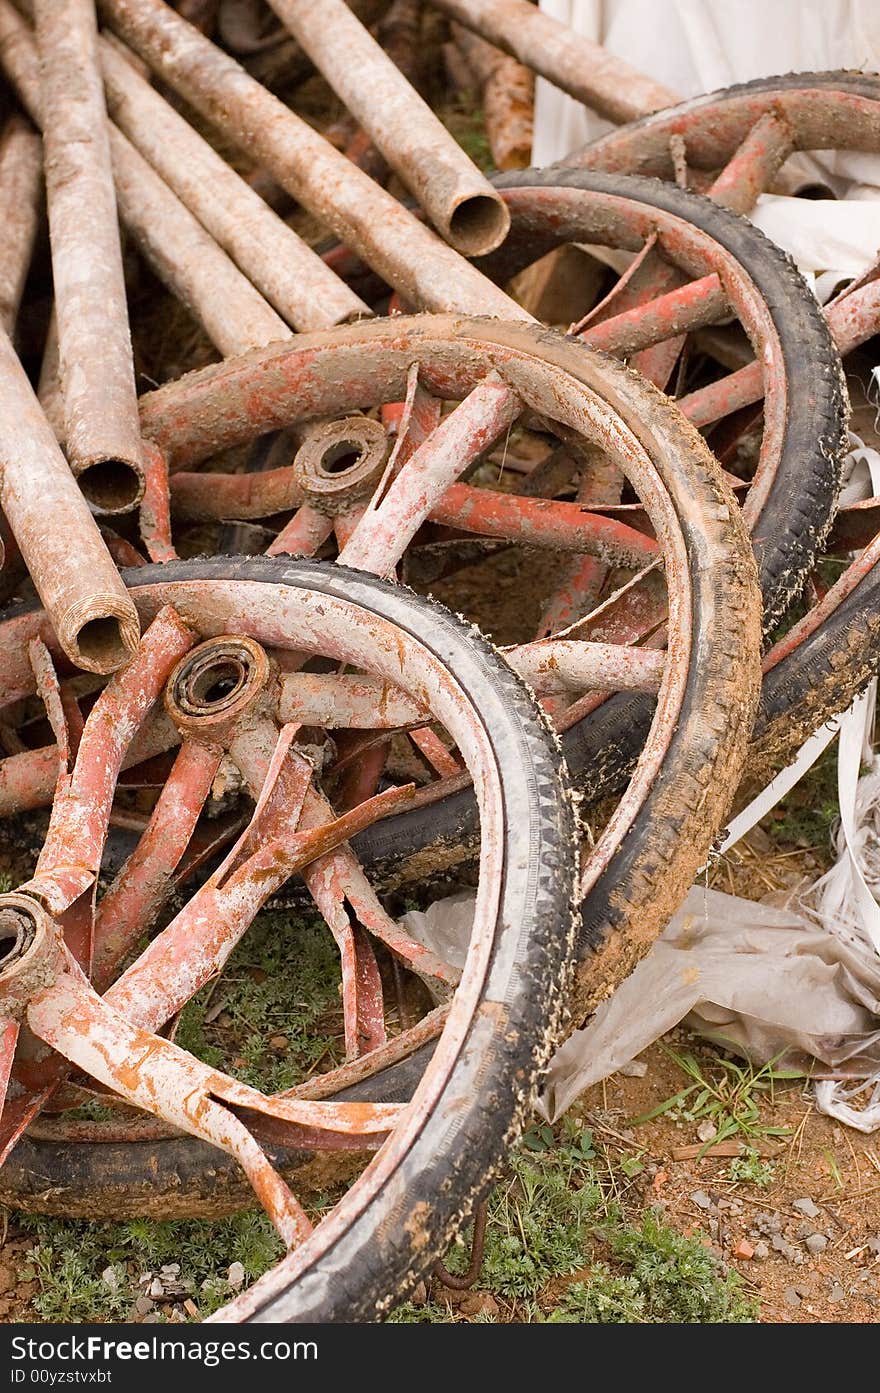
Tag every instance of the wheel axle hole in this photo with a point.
(217, 683)
(16, 935)
(341, 457)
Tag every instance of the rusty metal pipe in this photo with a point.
(187, 259)
(585, 70)
(508, 96)
(21, 197)
(292, 277)
(90, 608)
(458, 199)
(97, 372)
(375, 225)
(178, 248)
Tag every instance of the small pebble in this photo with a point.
(816, 1243)
(235, 1275)
(170, 1269)
(155, 1288)
(791, 1297)
(706, 1130)
(110, 1278)
(143, 1306)
(278, 1044)
(807, 1207)
(743, 1249)
(836, 1293)
(761, 1250)
(701, 1199)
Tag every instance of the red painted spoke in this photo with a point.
(721, 398)
(20, 1111)
(132, 903)
(345, 525)
(557, 667)
(544, 523)
(855, 316)
(458, 441)
(441, 759)
(158, 1077)
(754, 166)
(360, 773)
(657, 363)
(627, 291)
(216, 497)
(71, 854)
(155, 512)
(852, 320)
(855, 526)
(628, 615)
(688, 307)
(338, 878)
(49, 692)
(196, 944)
(340, 700)
(582, 578)
(8, 1042)
(303, 535)
(28, 779)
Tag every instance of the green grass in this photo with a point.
(805, 816)
(465, 124)
(749, 1169)
(281, 983)
(725, 1092)
(68, 1257)
(556, 1216)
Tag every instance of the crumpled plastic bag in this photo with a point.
(761, 981)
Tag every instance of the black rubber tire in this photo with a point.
(642, 147)
(788, 534)
(818, 679)
(492, 1080)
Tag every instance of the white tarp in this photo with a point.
(696, 46)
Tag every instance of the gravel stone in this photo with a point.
(807, 1207)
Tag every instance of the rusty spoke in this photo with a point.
(81, 811)
(556, 667)
(688, 307)
(753, 167)
(132, 903)
(458, 441)
(544, 522)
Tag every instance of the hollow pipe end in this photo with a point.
(110, 485)
(100, 633)
(477, 224)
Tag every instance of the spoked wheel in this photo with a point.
(742, 135)
(696, 266)
(436, 1103)
(675, 639)
(829, 656)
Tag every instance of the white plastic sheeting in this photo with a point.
(696, 46)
